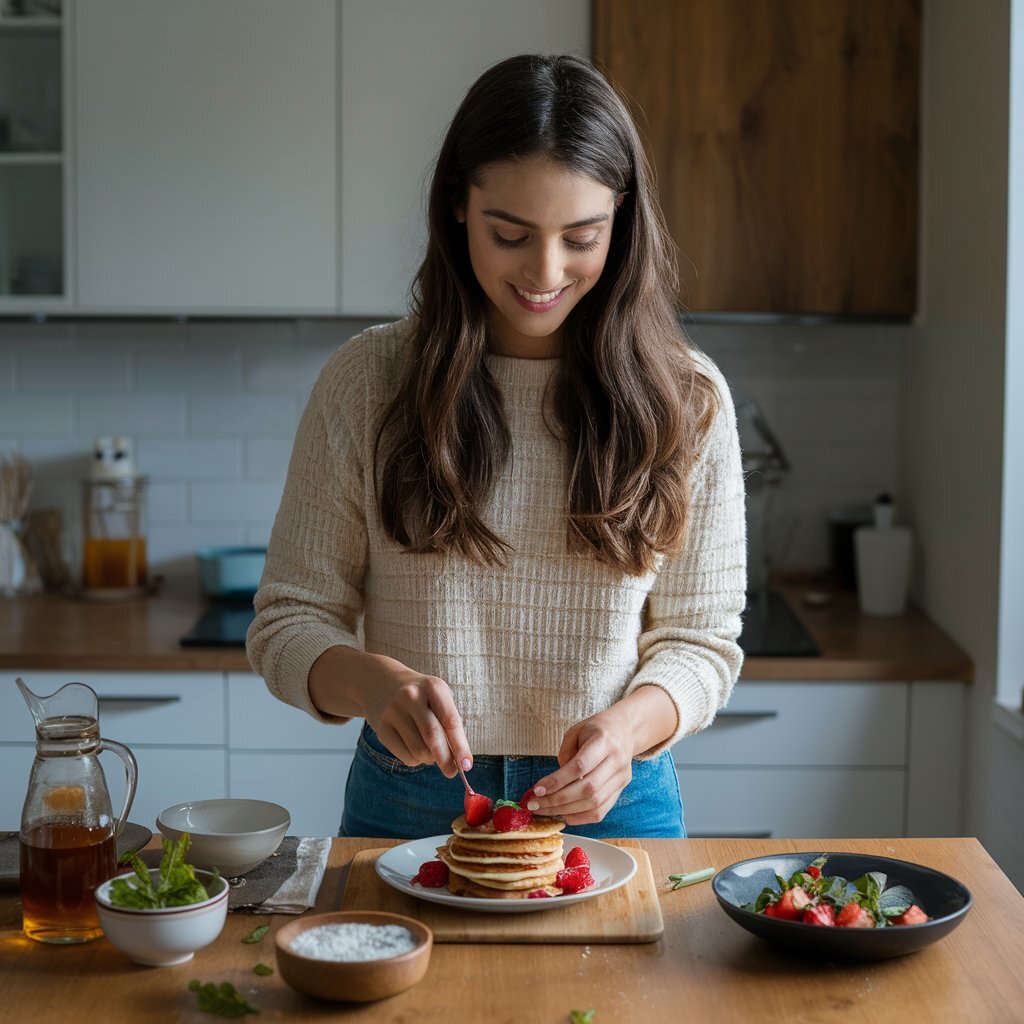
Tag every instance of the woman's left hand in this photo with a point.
(596, 756)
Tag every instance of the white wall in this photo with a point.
(953, 414)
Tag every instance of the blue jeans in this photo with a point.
(386, 799)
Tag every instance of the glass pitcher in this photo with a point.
(68, 835)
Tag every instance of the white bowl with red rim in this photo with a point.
(162, 936)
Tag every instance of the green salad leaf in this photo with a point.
(177, 885)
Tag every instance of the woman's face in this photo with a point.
(538, 239)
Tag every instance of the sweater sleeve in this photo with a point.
(693, 615)
(310, 597)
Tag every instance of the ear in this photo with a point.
(460, 213)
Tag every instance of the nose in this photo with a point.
(543, 266)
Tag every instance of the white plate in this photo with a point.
(610, 865)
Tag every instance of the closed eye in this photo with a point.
(515, 243)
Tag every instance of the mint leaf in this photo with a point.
(177, 885)
(221, 1000)
(582, 1017)
(262, 970)
(257, 933)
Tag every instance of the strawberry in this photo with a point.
(538, 894)
(853, 915)
(822, 914)
(478, 809)
(511, 818)
(572, 880)
(792, 903)
(770, 910)
(433, 874)
(577, 858)
(814, 872)
(526, 798)
(913, 915)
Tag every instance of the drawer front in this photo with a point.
(259, 721)
(793, 802)
(804, 723)
(167, 775)
(135, 707)
(311, 786)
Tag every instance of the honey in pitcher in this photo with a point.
(61, 866)
(114, 562)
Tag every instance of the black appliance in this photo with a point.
(223, 624)
(770, 629)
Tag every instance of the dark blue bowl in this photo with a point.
(942, 898)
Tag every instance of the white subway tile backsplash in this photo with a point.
(172, 548)
(189, 458)
(6, 369)
(36, 414)
(100, 368)
(188, 369)
(244, 415)
(167, 503)
(267, 458)
(294, 368)
(133, 415)
(240, 502)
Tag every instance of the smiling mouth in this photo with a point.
(539, 302)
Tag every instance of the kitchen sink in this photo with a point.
(771, 630)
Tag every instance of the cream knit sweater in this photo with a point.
(528, 649)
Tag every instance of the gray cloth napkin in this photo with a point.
(285, 883)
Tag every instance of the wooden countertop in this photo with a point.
(55, 632)
(705, 967)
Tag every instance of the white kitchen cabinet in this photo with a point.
(206, 156)
(174, 722)
(35, 183)
(404, 66)
(819, 759)
(280, 753)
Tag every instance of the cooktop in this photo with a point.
(770, 629)
(223, 624)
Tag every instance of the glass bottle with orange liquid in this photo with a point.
(68, 836)
(114, 546)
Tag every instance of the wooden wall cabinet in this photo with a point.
(784, 134)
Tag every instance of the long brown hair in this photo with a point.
(627, 401)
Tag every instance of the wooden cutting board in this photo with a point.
(630, 913)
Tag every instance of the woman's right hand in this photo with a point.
(413, 714)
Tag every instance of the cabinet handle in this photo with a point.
(766, 834)
(137, 702)
(745, 716)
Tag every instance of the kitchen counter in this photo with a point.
(54, 632)
(705, 966)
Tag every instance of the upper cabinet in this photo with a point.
(33, 158)
(206, 160)
(784, 134)
(236, 157)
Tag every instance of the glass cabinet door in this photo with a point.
(32, 151)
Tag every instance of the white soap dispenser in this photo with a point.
(884, 555)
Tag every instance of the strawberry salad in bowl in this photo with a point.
(842, 905)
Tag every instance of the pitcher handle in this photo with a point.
(131, 773)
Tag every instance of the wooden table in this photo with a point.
(704, 969)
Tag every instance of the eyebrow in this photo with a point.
(513, 219)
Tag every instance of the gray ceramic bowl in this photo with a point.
(231, 835)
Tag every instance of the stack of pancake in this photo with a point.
(485, 863)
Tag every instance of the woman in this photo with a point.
(512, 533)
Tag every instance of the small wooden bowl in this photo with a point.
(360, 981)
